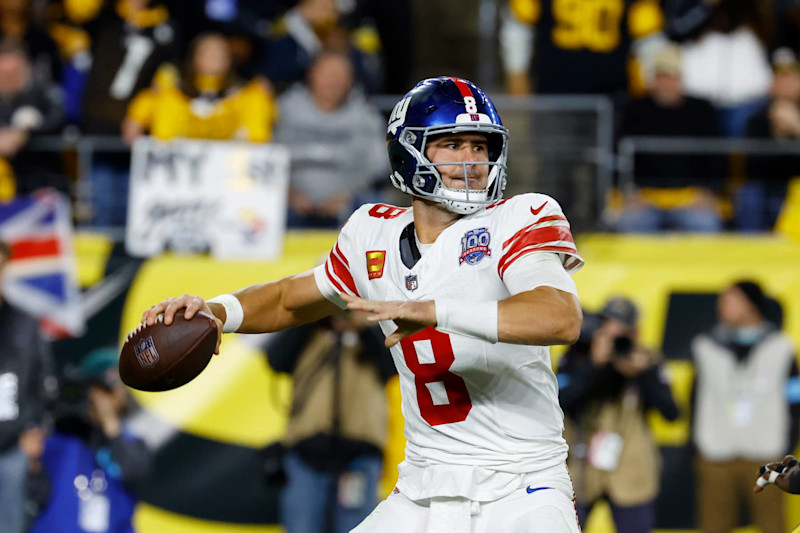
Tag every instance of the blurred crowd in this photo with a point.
(675, 68)
(295, 72)
(302, 73)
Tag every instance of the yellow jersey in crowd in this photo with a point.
(244, 112)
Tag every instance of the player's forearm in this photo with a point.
(277, 305)
(542, 317)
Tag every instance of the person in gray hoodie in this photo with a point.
(334, 137)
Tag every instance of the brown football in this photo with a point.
(159, 357)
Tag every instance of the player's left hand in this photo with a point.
(777, 473)
(410, 317)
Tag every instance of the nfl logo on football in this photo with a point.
(411, 282)
(146, 353)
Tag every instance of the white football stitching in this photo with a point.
(141, 326)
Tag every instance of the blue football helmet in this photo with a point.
(436, 106)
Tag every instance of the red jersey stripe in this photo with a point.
(527, 236)
(508, 261)
(551, 218)
(343, 272)
(331, 278)
(340, 254)
(528, 240)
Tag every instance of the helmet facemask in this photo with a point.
(427, 181)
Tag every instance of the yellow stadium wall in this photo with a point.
(646, 269)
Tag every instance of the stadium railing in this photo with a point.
(560, 145)
(629, 147)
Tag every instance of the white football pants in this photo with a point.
(538, 511)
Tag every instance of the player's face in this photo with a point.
(455, 147)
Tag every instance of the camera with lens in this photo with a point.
(74, 392)
(623, 346)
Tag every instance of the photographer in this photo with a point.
(92, 461)
(607, 383)
(338, 420)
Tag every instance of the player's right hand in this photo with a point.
(192, 305)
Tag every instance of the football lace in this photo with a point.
(141, 326)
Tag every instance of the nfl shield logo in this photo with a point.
(146, 353)
(411, 282)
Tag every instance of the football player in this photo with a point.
(470, 291)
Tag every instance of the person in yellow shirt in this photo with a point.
(207, 102)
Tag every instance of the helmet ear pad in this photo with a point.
(496, 143)
(405, 164)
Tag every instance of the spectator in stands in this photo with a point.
(208, 102)
(306, 30)
(673, 191)
(17, 24)
(297, 38)
(338, 421)
(336, 141)
(608, 382)
(578, 47)
(243, 22)
(563, 47)
(130, 39)
(26, 108)
(94, 463)
(74, 46)
(725, 55)
(759, 201)
(25, 367)
(746, 408)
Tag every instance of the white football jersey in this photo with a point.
(478, 415)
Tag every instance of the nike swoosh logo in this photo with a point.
(538, 209)
(531, 491)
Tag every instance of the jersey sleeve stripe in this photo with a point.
(342, 271)
(537, 235)
(536, 238)
(341, 255)
(551, 218)
(567, 251)
(331, 278)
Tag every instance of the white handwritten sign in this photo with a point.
(228, 198)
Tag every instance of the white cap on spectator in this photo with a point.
(668, 60)
(784, 59)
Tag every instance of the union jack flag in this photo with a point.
(41, 276)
